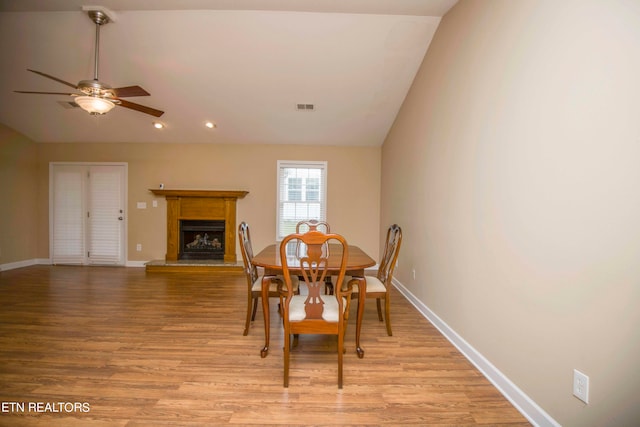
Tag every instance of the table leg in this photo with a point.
(266, 282)
(362, 296)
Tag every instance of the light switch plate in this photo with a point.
(141, 205)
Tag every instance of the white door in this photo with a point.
(67, 207)
(87, 214)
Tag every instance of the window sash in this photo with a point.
(301, 194)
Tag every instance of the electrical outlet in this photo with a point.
(581, 386)
(139, 247)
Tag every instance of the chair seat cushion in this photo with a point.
(373, 284)
(329, 312)
(273, 286)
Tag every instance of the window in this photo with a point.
(302, 194)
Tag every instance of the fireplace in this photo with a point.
(201, 239)
(209, 214)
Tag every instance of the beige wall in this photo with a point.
(513, 169)
(353, 186)
(19, 204)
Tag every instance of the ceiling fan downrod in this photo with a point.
(99, 18)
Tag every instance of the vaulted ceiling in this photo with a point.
(243, 64)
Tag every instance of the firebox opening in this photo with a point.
(200, 239)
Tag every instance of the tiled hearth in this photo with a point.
(195, 265)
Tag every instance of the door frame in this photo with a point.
(125, 197)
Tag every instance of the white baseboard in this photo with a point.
(17, 264)
(136, 264)
(47, 261)
(527, 407)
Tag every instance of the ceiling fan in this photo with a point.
(97, 97)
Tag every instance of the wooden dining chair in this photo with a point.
(323, 226)
(379, 286)
(254, 280)
(314, 312)
(312, 224)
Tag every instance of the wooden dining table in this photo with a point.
(269, 259)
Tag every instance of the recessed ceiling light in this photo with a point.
(210, 125)
(158, 125)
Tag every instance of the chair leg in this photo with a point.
(328, 286)
(346, 323)
(344, 334)
(379, 309)
(255, 309)
(287, 343)
(249, 315)
(387, 314)
(340, 357)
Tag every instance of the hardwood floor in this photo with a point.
(96, 346)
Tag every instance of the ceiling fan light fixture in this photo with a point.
(94, 105)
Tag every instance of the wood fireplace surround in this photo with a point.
(200, 205)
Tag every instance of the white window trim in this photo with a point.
(323, 165)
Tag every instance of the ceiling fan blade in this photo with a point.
(124, 92)
(53, 78)
(141, 108)
(46, 93)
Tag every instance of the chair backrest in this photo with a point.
(390, 255)
(247, 252)
(312, 266)
(312, 224)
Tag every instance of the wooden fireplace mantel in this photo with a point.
(200, 193)
(200, 205)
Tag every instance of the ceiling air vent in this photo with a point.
(305, 107)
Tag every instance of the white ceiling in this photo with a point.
(243, 64)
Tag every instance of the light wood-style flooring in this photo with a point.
(115, 346)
